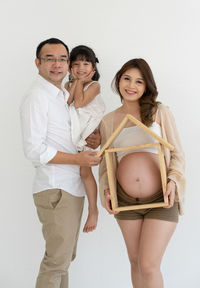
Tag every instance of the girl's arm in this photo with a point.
(71, 90)
(81, 97)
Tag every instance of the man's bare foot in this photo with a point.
(91, 222)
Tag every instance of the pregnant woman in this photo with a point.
(146, 232)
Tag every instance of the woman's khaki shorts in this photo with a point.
(167, 214)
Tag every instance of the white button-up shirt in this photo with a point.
(46, 128)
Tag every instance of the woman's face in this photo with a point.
(132, 85)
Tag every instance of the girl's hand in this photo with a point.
(72, 74)
(88, 78)
(170, 193)
(108, 204)
(94, 139)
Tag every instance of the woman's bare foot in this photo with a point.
(91, 222)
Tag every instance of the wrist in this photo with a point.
(80, 81)
(106, 192)
(172, 181)
(73, 80)
(76, 159)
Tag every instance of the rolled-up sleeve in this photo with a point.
(34, 123)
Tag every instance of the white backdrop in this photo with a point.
(165, 33)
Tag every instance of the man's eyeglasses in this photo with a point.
(54, 60)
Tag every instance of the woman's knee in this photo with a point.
(134, 260)
(148, 268)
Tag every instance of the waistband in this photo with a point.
(123, 197)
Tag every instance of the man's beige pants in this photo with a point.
(60, 214)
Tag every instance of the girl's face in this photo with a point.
(132, 85)
(81, 68)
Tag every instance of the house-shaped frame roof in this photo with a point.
(117, 131)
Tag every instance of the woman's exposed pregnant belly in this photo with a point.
(139, 174)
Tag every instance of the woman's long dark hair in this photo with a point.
(85, 53)
(148, 103)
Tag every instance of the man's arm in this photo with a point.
(34, 121)
(86, 158)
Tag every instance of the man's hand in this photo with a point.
(87, 158)
(94, 139)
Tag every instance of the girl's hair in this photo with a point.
(85, 53)
(148, 103)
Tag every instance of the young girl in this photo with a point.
(86, 109)
(146, 232)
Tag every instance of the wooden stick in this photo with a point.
(163, 173)
(141, 206)
(149, 131)
(113, 136)
(127, 118)
(131, 147)
(112, 177)
(111, 180)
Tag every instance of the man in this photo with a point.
(58, 189)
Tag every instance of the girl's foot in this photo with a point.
(91, 222)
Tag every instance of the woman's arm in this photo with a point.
(103, 178)
(176, 163)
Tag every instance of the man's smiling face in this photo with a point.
(52, 63)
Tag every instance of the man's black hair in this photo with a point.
(49, 41)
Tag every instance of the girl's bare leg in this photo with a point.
(91, 191)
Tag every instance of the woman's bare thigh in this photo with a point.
(131, 231)
(154, 238)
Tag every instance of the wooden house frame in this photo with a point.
(110, 170)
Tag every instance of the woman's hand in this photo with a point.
(108, 204)
(170, 193)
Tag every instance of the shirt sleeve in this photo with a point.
(34, 122)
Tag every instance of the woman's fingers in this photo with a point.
(170, 193)
(108, 204)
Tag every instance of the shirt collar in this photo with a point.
(65, 92)
(52, 89)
